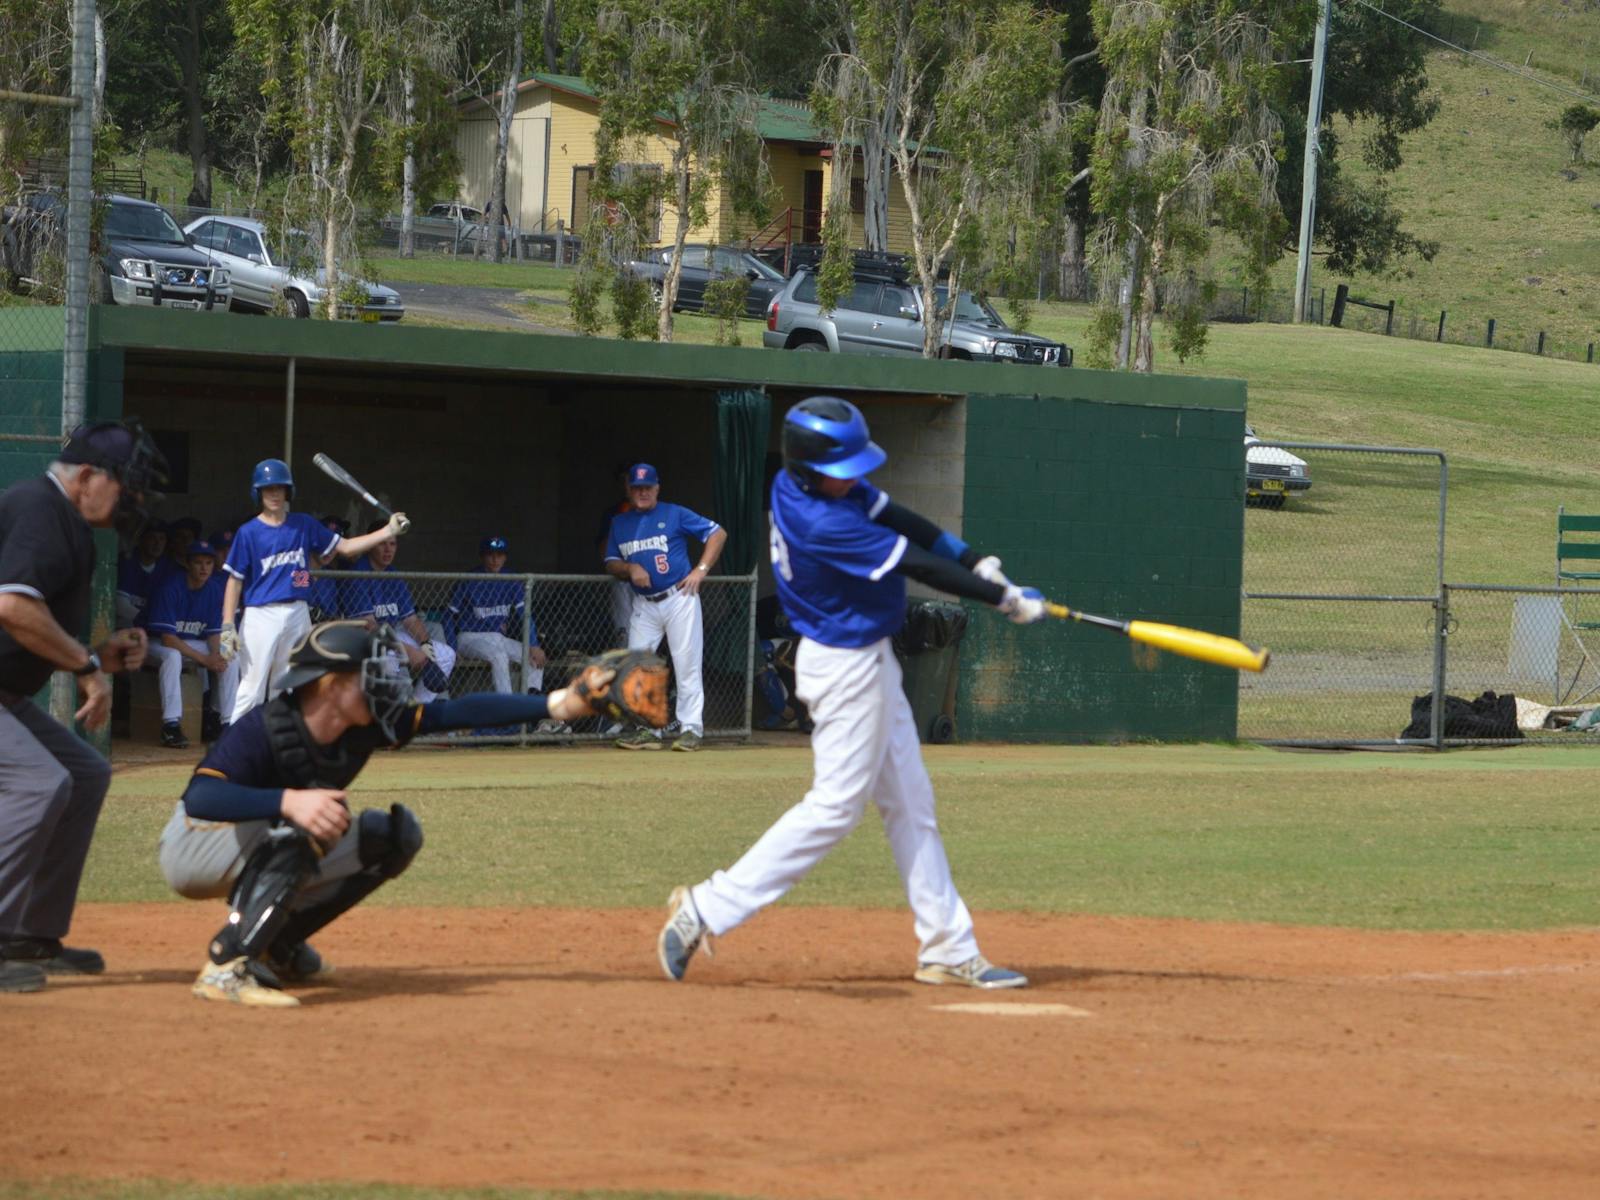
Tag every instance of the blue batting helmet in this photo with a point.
(829, 436)
(270, 472)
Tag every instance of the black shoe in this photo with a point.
(172, 736)
(20, 977)
(50, 956)
(210, 726)
(296, 962)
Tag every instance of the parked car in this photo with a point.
(704, 264)
(882, 314)
(450, 221)
(1270, 474)
(264, 268)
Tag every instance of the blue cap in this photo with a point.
(496, 545)
(200, 547)
(642, 475)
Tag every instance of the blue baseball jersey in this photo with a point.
(384, 599)
(487, 603)
(835, 565)
(191, 613)
(323, 597)
(656, 540)
(274, 561)
(138, 583)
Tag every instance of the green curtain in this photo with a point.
(744, 418)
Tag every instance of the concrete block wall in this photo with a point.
(1126, 510)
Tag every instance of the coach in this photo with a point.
(51, 782)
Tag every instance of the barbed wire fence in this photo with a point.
(573, 618)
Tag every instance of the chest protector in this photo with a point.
(301, 761)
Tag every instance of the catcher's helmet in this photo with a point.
(825, 435)
(351, 646)
(126, 451)
(271, 472)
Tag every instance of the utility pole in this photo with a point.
(1308, 183)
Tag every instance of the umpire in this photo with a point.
(51, 782)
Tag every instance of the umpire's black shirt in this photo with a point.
(47, 552)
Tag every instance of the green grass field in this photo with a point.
(1484, 840)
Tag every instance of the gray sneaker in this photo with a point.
(682, 935)
(976, 972)
(689, 741)
(639, 739)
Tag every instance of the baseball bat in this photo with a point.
(1191, 643)
(337, 473)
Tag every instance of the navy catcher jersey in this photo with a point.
(385, 600)
(654, 538)
(835, 565)
(274, 561)
(193, 613)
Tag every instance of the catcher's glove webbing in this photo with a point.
(626, 685)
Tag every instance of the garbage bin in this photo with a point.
(928, 646)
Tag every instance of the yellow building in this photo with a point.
(551, 166)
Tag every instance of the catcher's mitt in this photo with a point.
(625, 685)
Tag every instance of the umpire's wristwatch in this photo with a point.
(90, 667)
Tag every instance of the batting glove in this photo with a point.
(1023, 605)
(228, 642)
(398, 524)
(989, 569)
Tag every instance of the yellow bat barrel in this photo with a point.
(1193, 643)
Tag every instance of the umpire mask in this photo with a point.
(125, 451)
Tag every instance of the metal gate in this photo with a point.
(1344, 582)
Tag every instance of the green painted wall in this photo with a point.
(1131, 510)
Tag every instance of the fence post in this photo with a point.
(1388, 325)
(1341, 294)
(1440, 338)
(1322, 305)
(527, 644)
(1244, 306)
(1591, 351)
(1540, 350)
(1489, 337)
(1441, 632)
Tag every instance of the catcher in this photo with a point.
(264, 820)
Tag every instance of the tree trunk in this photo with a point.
(1144, 354)
(551, 29)
(875, 190)
(1074, 282)
(495, 218)
(188, 49)
(669, 282)
(408, 169)
(99, 67)
(1130, 286)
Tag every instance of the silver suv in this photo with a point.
(882, 314)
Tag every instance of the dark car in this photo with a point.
(701, 265)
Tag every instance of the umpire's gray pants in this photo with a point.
(52, 784)
(202, 859)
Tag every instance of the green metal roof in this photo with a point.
(776, 120)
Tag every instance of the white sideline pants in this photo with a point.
(677, 615)
(444, 657)
(169, 667)
(864, 747)
(267, 633)
(499, 652)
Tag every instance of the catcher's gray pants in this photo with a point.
(202, 859)
(52, 784)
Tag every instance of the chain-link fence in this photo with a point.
(518, 633)
(1343, 573)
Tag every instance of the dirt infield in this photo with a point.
(538, 1047)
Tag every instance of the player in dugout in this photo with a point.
(265, 819)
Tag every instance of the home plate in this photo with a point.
(992, 1008)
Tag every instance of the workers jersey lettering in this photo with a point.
(655, 540)
(835, 565)
(486, 603)
(273, 562)
(384, 599)
(189, 613)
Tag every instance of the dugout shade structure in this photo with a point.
(1115, 493)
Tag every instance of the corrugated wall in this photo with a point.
(1128, 509)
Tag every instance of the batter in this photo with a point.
(841, 553)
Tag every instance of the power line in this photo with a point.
(1480, 56)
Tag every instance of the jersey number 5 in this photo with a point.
(662, 566)
(780, 553)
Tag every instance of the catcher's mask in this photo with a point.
(351, 646)
(125, 451)
(824, 435)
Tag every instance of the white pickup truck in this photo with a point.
(452, 220)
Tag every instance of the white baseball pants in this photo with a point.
(267, 634)
(499, 652)
(444, 658)
(169, 666)
(677, 615)
(864, 747)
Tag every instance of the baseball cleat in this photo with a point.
(976, 972)
(21, 977)
(233, 983)
(689, 741)
(298, 962)
(639, 739)
(51, 957)
(681, 935)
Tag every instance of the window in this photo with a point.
(242, 243)
(863, 296)
(806, 290)
(894, 299)
(727, 262)
(203, 232)
(858, 196)
(694, 256)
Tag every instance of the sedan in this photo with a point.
(264, 268)
(702, 265)
(1271, 473)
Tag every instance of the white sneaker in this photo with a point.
(976, 972)
(233, 983)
